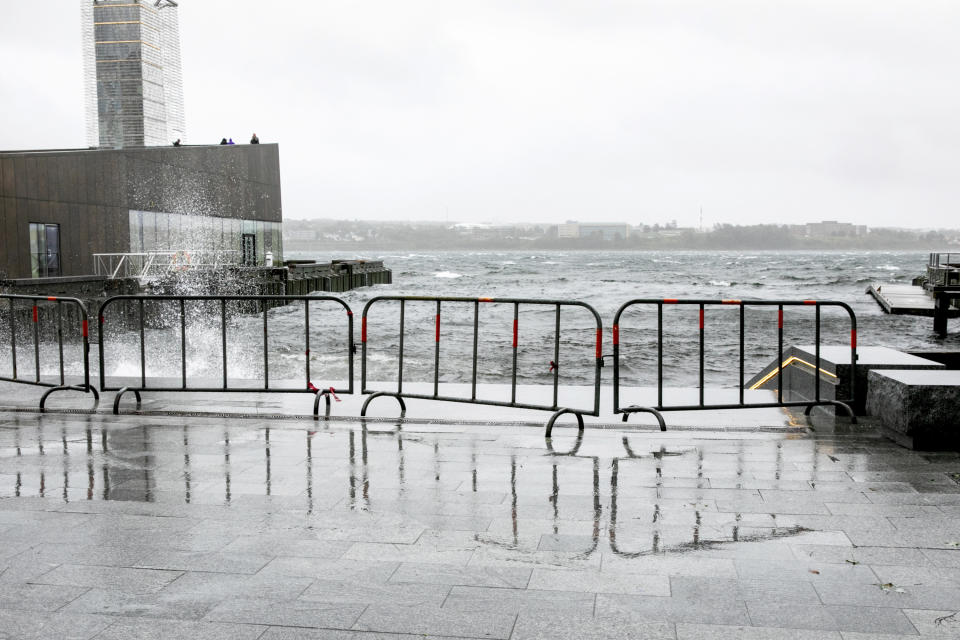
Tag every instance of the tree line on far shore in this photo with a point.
(328, 234)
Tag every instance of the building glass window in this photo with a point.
(44, 250)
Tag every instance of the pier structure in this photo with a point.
(934, 294)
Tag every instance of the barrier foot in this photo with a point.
(116, 400)
(554, 417)
(96, 396)
(366, 403)
(656, 414)
(836, 403)
(316, 404)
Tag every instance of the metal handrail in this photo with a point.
(742, 304)
(308, 386)
(556, 407)
(86, 387)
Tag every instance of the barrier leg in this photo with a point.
(554, 417)
(366, 403)
(116, 400)
(656, 414)
(316, 404)
(96, 396)
(835, 403)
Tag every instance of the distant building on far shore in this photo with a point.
(834, 229)
(133, 82)
(602, 230)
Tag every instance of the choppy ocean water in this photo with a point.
(604, 280)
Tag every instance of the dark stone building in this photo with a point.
(59, 208)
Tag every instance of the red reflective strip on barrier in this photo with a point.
(484, 299)
(51, 299)
(102, 320)
(307, 352)
(34, 313)
(349, 313)
(599, 343)
(730, 302)
(853, 338)
(363, 330)
(85, 333)
(438, 328)
(701, 319)
(809, 302)
(779, 318)
(670, 301)
(514, 333)
(616, 334)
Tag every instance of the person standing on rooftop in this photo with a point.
(231, 141)
(223, 141)
(254, 139)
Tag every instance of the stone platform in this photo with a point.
(203, 527)
(918, 409)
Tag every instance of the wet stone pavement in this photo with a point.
(173, 527)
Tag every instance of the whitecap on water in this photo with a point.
(719, 283)
(447, 274)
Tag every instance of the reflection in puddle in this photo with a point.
(630, 497)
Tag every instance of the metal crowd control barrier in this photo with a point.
(36, 301)
(308, 386)
(558, 409)
(742, 304)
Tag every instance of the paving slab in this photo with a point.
(290, 529)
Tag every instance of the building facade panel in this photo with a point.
(90, 194)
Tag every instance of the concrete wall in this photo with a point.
(90, 192)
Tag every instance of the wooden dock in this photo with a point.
(906, 299)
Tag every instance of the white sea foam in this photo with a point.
(447, 274)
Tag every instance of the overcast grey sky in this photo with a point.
(766, 111)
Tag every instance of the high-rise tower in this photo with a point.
(132, 74)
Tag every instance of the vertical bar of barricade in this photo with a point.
(660, 354)
(816, 371)
(436, 354)
(598, 363)
(363, 351)
(616, 363)
(853, 353)
(742, 329)
(556, 358)
(60, 340)
(701, 354)
(513, 377)
(306, 339)
(85, 330)
(476, 333)
(36, 342)
(266, 353)
(223, 338)
(350, 349)
(183, 344)
(400, 359)
(780, 353)
(13, 338)
(143, 350)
